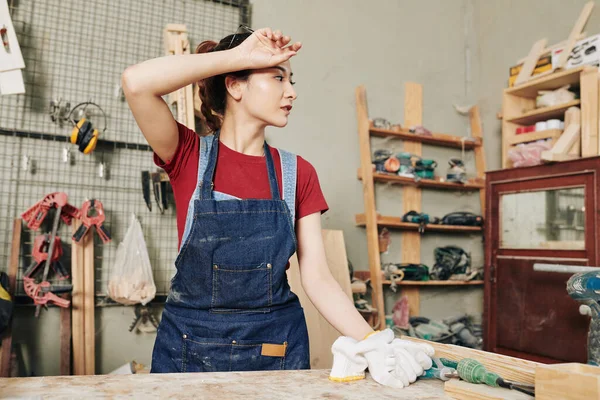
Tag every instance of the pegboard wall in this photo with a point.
(75, 51)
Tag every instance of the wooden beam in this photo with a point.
(13, 268)
(88, 304)
(575, 32)
(77, 309)
(511, 368)
(65, 338)
(573, 116)
(362, 115)
(589, 112)
(532, 59)
(477, 132)
(571, 381)
(411, 196)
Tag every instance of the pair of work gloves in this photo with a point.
(391, 361)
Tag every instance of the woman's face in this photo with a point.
(269, 93)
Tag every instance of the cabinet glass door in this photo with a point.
(552, 219)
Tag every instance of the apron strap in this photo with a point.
(206, 184)
(289, 167)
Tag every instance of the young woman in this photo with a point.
(243, 209)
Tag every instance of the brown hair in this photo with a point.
(212, 91)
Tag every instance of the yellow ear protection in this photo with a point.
(84, 134)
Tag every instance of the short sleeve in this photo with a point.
(186, 148)
(309, 196)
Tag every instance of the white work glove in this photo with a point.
(410, 359)
(378, 350)
(347, 364)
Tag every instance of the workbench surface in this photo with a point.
(307, 384)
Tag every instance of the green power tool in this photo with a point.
(473, 371)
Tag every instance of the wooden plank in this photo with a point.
(396, 222)
(571, 381)
(575, 32)
(567, 139)
(532, 59)
(534, 136)
(589, 112)
(511, 368)
(556, 46)
(437, 139)
(462, 390)
(300, 384)
(77, 309)
(65, 338)
(544, 113)
(477, 133)
(548, 82)
(425, 183)
(549, 156)
(13, 268)
(411, 196)
(321, 333)
(572, 116)
(362, 116)
(435, 283)
(88, 304)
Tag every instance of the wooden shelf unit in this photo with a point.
(364, 275)
(518, 109)
(411, 191)
(472, 184)
(397, 223)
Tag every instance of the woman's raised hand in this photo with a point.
(266, 48)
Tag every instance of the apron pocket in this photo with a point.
(244, 287)
(206, 354)
(249, 355)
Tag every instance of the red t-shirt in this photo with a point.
(236, 174)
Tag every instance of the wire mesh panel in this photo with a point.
(74, 52)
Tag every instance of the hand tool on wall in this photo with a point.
(44, 292)
(33, 289)
(40, 250)
(92, 215)
(144, 317)
(146, 189)
(583, 286)
(36, 214)
(160, 186)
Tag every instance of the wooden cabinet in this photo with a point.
(547, 214)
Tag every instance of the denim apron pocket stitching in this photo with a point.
(241, 287)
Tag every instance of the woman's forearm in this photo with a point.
(163, 75)
(335, 306)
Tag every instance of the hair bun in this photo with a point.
(206, 47)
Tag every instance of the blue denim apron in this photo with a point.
(230, 307)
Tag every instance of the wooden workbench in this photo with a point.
(310, 384)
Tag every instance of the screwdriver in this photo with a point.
(473, 371)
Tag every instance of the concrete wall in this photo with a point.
(382, 45)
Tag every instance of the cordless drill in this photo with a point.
(585, 288)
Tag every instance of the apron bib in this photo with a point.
(230, 307)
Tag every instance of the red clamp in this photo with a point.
(41, 244)
(41, 293)
(36, 214)
(95, 208)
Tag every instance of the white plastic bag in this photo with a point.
(131, 280)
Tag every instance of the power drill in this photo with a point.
(585, 287)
